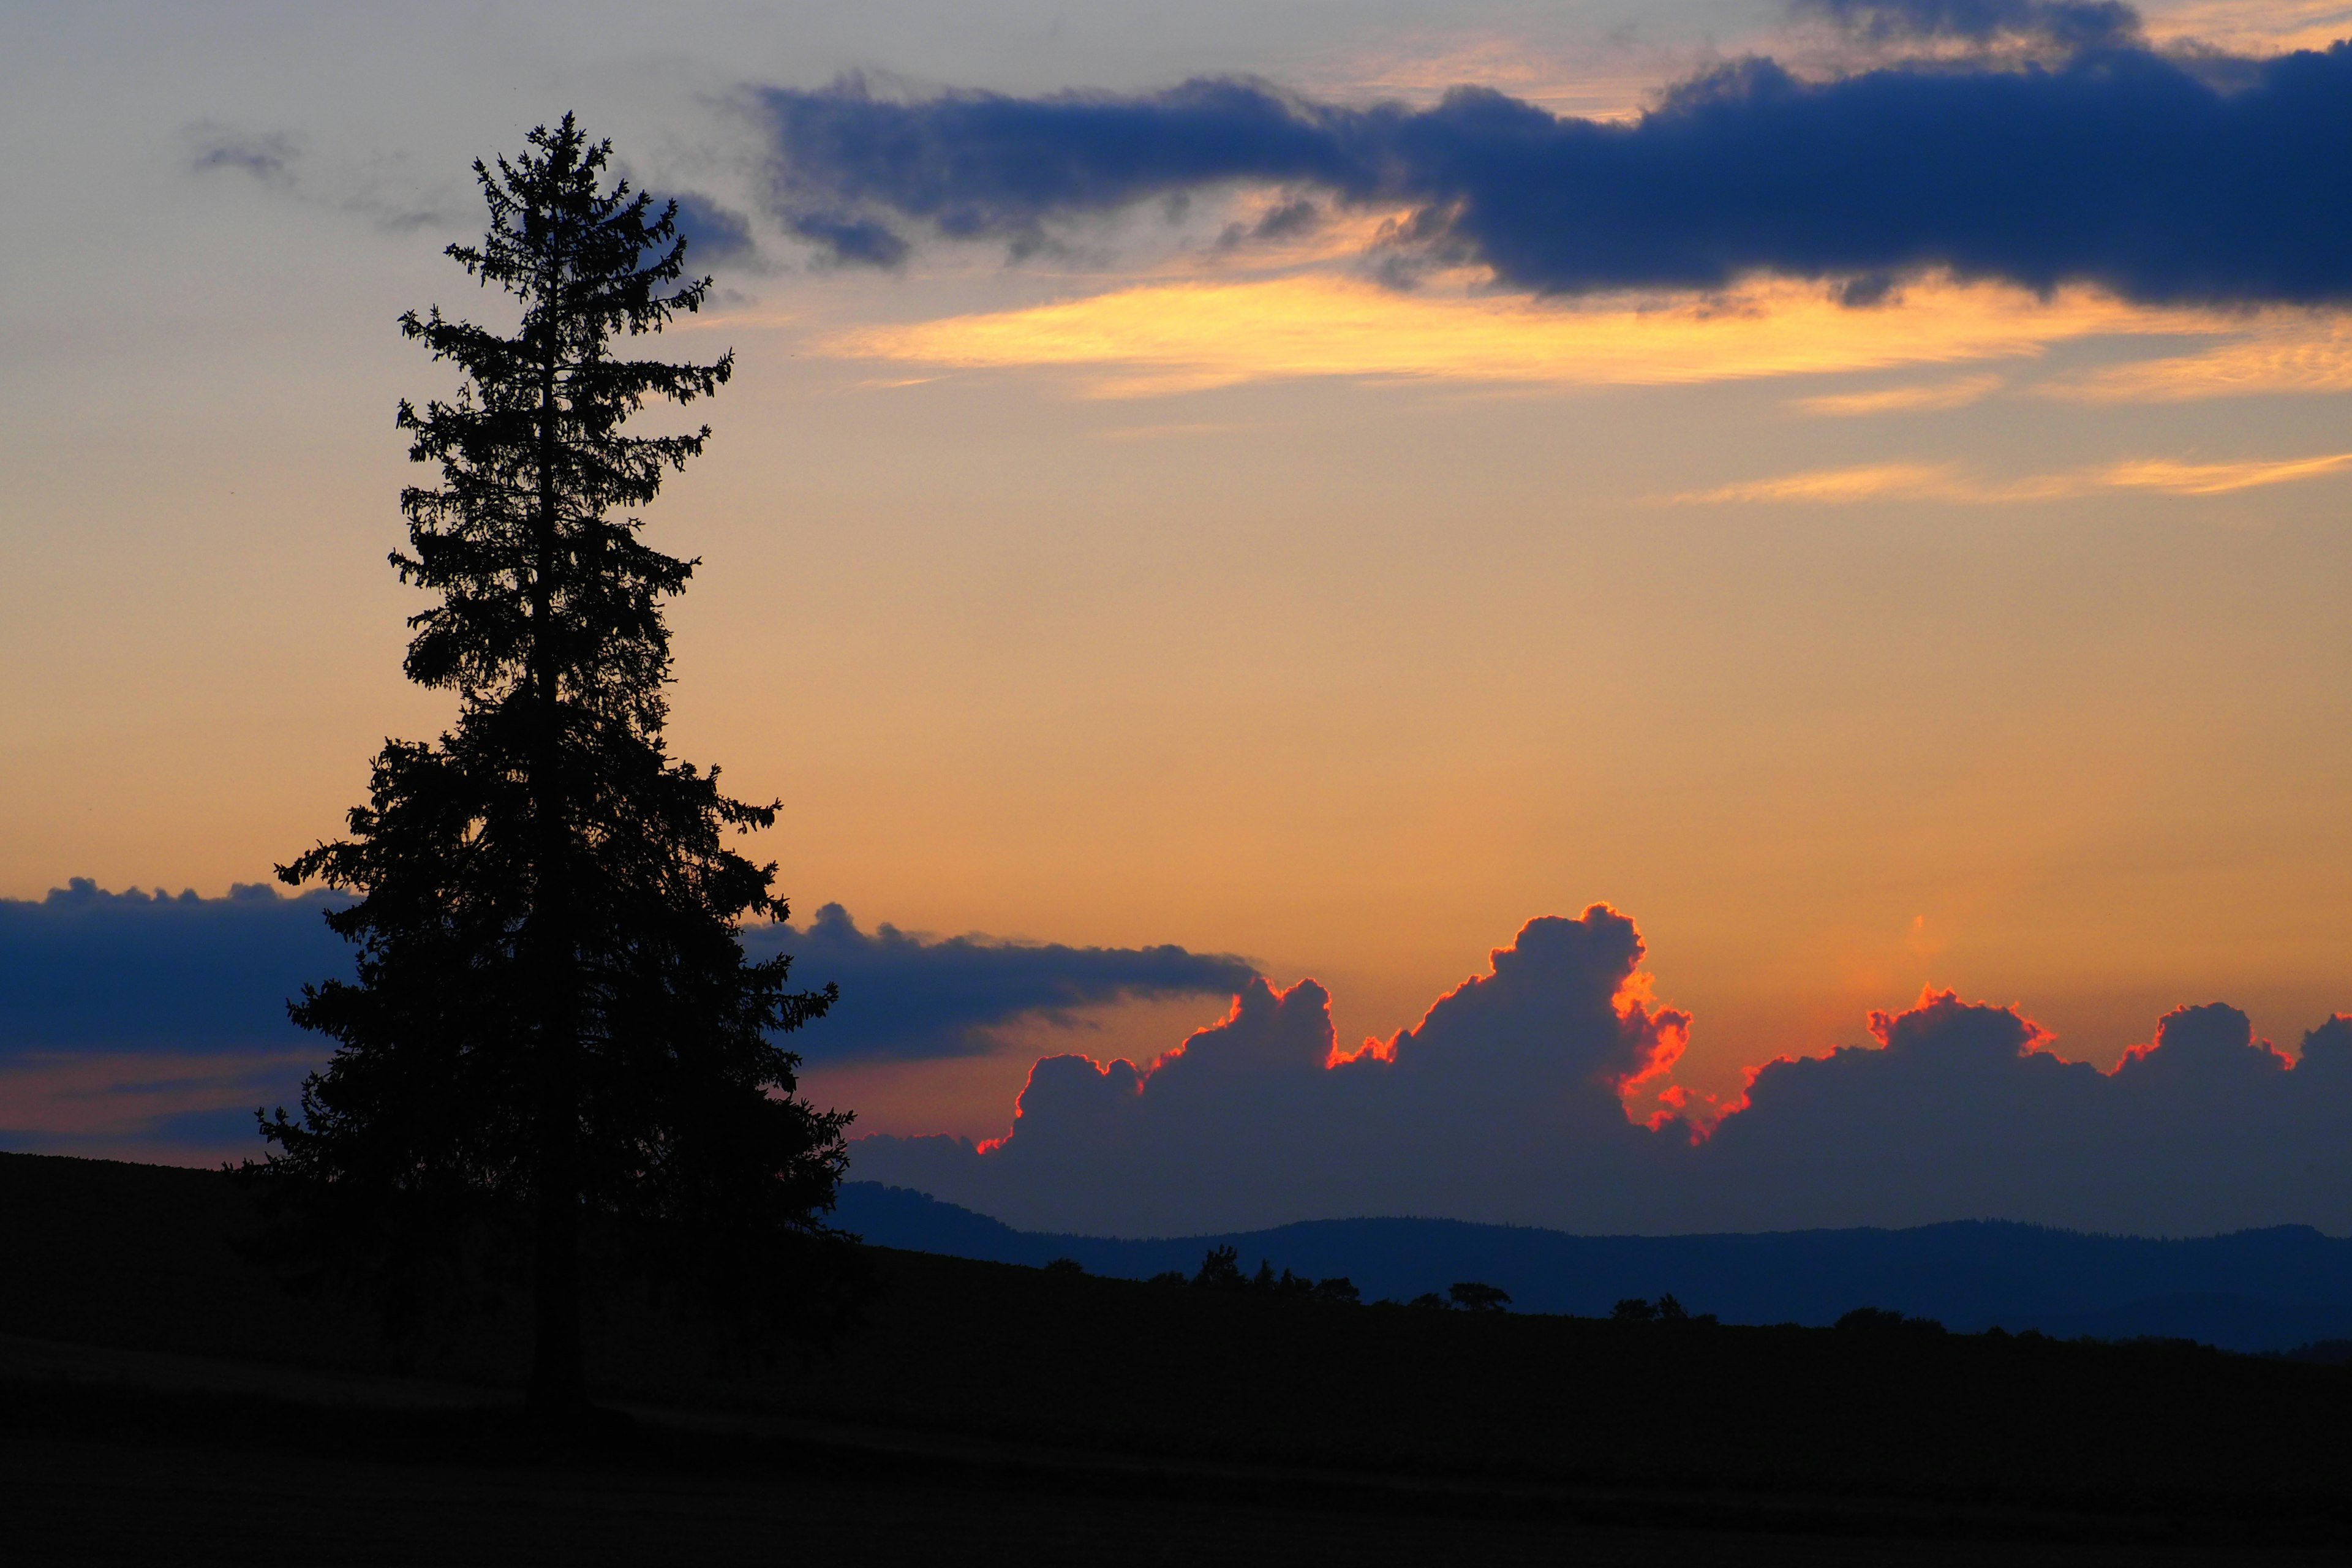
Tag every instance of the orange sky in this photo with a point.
(1132, 596)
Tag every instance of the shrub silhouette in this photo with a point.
(1883, 1319)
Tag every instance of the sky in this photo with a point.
(1297, 524)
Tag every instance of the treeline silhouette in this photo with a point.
(2255, 1290)
(1221, 1272)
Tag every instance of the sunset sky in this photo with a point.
(1210, 561)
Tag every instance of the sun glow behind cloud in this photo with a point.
(1172, 337)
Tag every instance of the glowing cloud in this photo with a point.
(1946, 482)
(2297, 354)
(1181, 337)
(1510, 1102)
(1906, 399)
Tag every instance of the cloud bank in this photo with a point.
(1508, 1103)
(2165, 179)
(88, 969)
(903, 997)
(148, 1025)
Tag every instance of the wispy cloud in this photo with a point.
(1180, 337)
(1958, 393)
(2296, 353)
(2215, 478)
(1950, 482)
(266, 155)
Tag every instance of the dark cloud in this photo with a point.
(1285, 220)
(1505, 1104)
(849, 241)
(89, 970)
(85, 969)
(2114, 166)
(715, 234)
(139, 1020)
(1502, 1102)
(903, 997)
(1961, 1113)
(2067, 24)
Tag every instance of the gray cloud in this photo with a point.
(2066, 24)
(1504, 1105)
(715, 234)
(268, 155)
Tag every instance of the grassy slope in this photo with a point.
(138, 1256)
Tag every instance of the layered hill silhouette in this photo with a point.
(2271, 1289)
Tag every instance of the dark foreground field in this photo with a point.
(161, 1400)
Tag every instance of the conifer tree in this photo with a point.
(553, 1014)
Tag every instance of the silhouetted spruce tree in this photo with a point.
(553, 1014)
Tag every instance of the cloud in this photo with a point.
(1507, 1092)
(266, 155)
(2141, 174)
(1175, 336)
(148, 1026)
(715, 234)
(2066, 24)
(1956, 393)
(138, 1019)
(85, 969)
(377, 189)
(1948, 482)
(850, 241)
(903, 997)
(1963, 1110)
(2299, 352)
(1509, 1102)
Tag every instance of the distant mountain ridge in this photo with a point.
(2253, 1291)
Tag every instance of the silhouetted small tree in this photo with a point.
(1340, 1290)
(1633, 1310)
(1477, 1295)
(552, 1013)
(1220, 1269)
(1671, 1311)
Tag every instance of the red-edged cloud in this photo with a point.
(1518, 1098)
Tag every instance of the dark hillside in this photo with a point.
(1889, 1429)
(2256, 1290)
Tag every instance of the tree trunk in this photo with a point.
(558, 1375)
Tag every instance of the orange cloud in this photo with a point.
(2303, 352)
(1948, 482)
(1173, 337)
(1906, 399)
